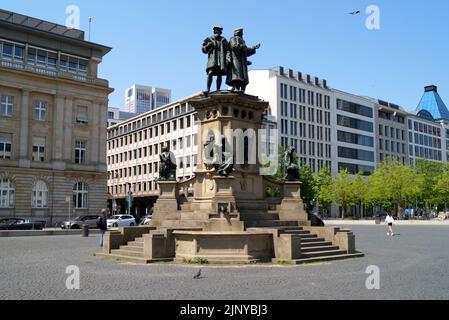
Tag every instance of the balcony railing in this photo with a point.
(53, 73)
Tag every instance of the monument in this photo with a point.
(230, 218)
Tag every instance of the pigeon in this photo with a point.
(198, 275)
(355, 12)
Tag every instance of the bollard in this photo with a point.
(85, 230)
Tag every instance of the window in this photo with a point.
(7, 193)
(354, 108)
(40, 110)
(81, 115)
(40, 195)
(5, 146)
(6, 105)
(80, 196)
(39, 149)
(80, 152)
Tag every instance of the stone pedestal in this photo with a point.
(167, 205)
(292, 206)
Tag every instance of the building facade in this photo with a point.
(301, 105)
(134, 146)
(140, 99)
(53, 115)
(116, 116)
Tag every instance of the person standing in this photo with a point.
(216, 47)
(238, 63)
(390, 221)
(102, 224)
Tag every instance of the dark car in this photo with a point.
(20, 224)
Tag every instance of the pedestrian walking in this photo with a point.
(390, 221)
(102, 224)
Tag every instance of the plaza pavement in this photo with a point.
(413, 265)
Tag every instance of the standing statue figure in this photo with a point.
(291, 165)
(167, 165)
(216, 47)
(238, 62)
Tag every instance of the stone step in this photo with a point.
(298, 232)
(313, 240)
(315, 254)
(324, 258)
(270, 224)
(132, 248)
(315, 244)
(258, 216)
(122, 258)
(308, 236)
(319, 248)
(183, 223)
(138, 244)
(127, 253)
(137, 240)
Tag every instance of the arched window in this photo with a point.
(7, 193)
(40, 195)
(80, 196)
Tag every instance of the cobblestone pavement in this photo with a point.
(413, 265)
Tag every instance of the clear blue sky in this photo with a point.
(157, 42)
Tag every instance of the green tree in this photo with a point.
(441, 189)
(280, 174)
(323, 188)
(308, 189)
(392, 185)
(429, 172)
(343, 191)
(360, 186)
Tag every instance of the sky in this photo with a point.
(158, 42)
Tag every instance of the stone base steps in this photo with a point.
(139, 260)
(270, 224)
(322, 258)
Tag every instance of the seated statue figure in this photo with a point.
(291, 165)
(167, 165)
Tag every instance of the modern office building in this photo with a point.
(392, 136)
(140, 99)
(134, 146)
(302, 106)
(53, 115)
(428, 128)
(355, 132)
(116, 116)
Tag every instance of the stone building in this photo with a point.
(53, 117)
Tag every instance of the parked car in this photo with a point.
(121, 221)
(145, 219)
(20, 224)
(77, 223)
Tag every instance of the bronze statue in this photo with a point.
(224, 166)
(291, 165)
(238, 62)
(216, 47)
(167, 165)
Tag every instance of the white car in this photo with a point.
(121, 221)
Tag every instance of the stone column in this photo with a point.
(68, 123)
(102, 167)
(24, 149)
(58, 133)
(94, 113)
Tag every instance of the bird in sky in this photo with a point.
(198, 275)
(355, 12)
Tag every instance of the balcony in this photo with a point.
(53, 73)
